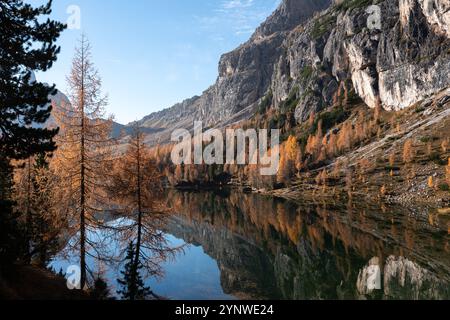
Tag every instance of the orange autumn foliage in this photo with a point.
(408, 153)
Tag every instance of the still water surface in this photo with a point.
(242, 246)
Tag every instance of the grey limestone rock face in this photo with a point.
(404, 62)
(308, 50)
(245, 74)
(289, 15)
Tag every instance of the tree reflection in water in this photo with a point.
(268, 248)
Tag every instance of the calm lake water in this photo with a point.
(246, 246)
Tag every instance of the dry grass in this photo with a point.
(31, 283)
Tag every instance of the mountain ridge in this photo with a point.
(307, 52)
(244, 76)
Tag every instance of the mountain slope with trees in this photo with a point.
(307, 51)
(336, 87)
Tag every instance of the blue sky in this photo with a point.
(154, 53)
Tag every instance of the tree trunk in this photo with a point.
(28, 217)
(139, 203)
(82, 184)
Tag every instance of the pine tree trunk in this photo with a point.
(82, 186)
(139, 200)
(28, 217)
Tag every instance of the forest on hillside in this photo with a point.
(68, 182)
(319, 154)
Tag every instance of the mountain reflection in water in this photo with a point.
(268, 248)
(248, 246)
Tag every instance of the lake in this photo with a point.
(250, 246)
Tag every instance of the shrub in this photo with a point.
(322, 26)
(291, 102)
(266, 102)
(436, 158)
(330, 119)
(306, 73)
(353, 4)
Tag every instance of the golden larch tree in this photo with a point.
(408, 152)
(84, 153)
(136, 189)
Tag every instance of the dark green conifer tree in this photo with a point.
(132, 284)
(27, 44)
(100, 290)
(12, 241)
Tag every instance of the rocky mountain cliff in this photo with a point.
(307, 50)
(245, 75)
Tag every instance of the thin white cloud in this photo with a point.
(243, 16)
(237, 4)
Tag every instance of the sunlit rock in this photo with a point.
(369, 278)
